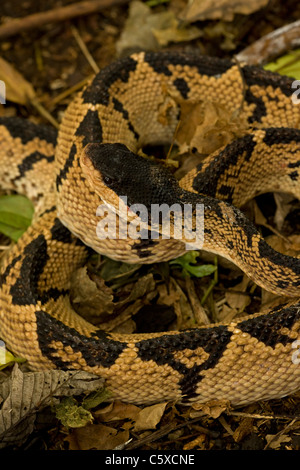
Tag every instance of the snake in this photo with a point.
(90, 164)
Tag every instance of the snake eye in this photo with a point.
(107, 180)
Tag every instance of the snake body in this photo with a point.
(92, 162)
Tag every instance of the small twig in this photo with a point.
(200, 315)
(212, 283)
(56, 15)
(260, 416)
(69, 91)
(84, 49)
(166, 430)
(283, 431)
(43, 112)
(272, 45)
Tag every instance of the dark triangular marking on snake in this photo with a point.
(208, 66)
(294, 164)
(29, 161)
(120, 108)
(98, 91)
(182, 87)
(260, 108)
(265, 251)
(68, 164)
(144, 247)
(268, 328)
(97, 350)
(90, 128)
(161, 350)
(8, 269)
(26, 131)
(260, 77)
(285, 136)
(294, 175)
(207, 181)
(25, 290)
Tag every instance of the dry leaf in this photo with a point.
(288, 246)
(89, 299)
(283, 207)
(244, 428)
(118, 411)
(199, 442)
(25, 393)
(92, 298)
(206, 127)
(220, 9)
(238, 300)
(96, 436)
(213, 408)
(149, 417)
(145, 30)
(20, 90)
(274, 441)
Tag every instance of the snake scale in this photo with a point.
(132, 103)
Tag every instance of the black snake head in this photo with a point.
(114, 171)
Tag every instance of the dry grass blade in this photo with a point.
(19, 90)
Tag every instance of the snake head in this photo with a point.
(113, 171)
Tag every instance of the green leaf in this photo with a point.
(71, 414)
(188, 264)
(7, 358)
(288, 64)
(154, 3)
(95, 398)
(111, 269)
(16, 213)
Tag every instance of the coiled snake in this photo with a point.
(126, 106)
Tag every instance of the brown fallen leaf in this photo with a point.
(95, 301)
(145, 30)
(206, 127)
(96, 436)
(213, 408)
(118, 411)
(238, 299)
(284, 203)
(149, 417)
(244, 428)
(274, 441)
(219, 9)
(199, 443)
(19, 90)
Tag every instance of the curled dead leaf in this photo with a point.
(145, 30)
(97, 437)
(219, 9)
(149, 417)
(213, 408)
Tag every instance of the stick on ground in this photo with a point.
(37, 20)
